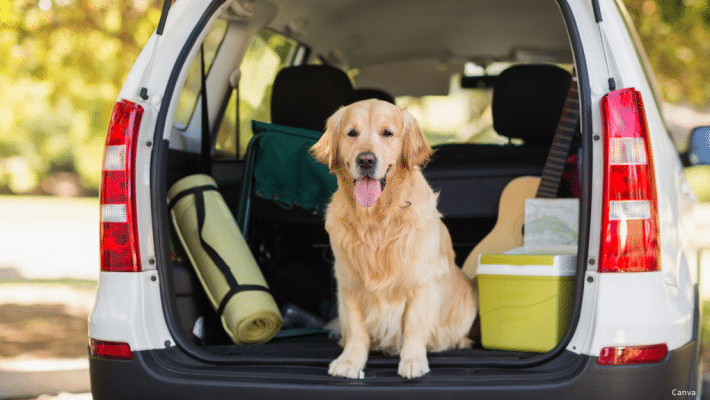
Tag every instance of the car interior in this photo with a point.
(486, 82)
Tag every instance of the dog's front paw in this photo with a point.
(411, 368)
(345, 367)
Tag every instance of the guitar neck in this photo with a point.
(557, 157)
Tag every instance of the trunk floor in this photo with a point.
(319, 346)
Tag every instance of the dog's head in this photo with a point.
(369, 140)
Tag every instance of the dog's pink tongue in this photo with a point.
(367, 191)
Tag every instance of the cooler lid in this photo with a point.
(527, 264)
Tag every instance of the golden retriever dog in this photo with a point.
(399, 290)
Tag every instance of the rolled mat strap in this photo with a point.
(251, 319)
(200, 189)
(235, 290)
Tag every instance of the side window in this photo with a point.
(268, 53)
(465, 114)
(191, 91)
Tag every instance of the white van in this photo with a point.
(490, 82)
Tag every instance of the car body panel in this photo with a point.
(128, 310)
(617, 309)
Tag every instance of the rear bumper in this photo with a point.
(168, 374)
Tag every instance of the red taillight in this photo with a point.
(119, 235)
(112, 350)
(629, 210)
(633, 354)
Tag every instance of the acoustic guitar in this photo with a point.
(507, 233)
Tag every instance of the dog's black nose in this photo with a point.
(366, 161)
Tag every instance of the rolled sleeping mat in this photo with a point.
(224, 264)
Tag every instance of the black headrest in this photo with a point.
(528, 102)
(305, 96)
(369, 93)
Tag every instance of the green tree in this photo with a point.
(66, 62)
(676, 36)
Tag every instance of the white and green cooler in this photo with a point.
(525, 300)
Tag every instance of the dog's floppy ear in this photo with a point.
(326, 149)
(415, 149)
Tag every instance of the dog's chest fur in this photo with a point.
(382, 256)
(386, 254)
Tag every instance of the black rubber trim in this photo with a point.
(597, 11)
(585, 213)
(585, 202)
(206, 143)
(161, 220)
(159, 189)
(166, 374)
(163, 17)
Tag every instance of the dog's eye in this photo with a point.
(352, 133)
(387, 133)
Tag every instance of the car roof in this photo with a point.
(395, 43)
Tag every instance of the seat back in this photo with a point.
(371, 93)
(305, 96)
(528, 101)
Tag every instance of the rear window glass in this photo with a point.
(464, 115)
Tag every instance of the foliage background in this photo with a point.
(63, 66)
(64, 62)
(676, 36)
